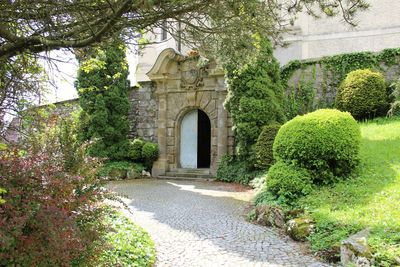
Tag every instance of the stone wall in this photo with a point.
(143, 113)
(57, 110)
(313, 83)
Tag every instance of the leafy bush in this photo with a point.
(362, 93)
(49, 216)
(231, 169)
(326, 142)
(287, 182)
(265, 197)
(47, 129)
(128, 244)
(115, 170)
(66, 130)
(149, 154)
(255, 97)
(135, 149)
(263, 147)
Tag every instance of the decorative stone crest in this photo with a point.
(192, 73)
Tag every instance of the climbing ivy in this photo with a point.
(301, 96)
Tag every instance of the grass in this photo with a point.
(370, 199)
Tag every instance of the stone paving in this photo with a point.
(203, 224)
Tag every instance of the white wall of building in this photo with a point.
(378, 28)
(149, 54)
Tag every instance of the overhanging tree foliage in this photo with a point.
(42, 25)
(219, 27)
(21, 82)
(103, 95)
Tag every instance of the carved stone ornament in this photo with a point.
(192, 74)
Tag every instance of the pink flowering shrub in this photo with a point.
(49, 217)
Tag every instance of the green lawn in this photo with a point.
(369, 199)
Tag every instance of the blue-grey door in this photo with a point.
(189, 135)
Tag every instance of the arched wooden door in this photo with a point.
(195, 143)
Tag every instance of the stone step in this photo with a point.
(188, 175)
(193, 171)
(185, 178)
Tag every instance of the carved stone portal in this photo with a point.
(184, 84)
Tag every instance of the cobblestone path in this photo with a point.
(203, 224)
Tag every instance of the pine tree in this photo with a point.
(102, 86)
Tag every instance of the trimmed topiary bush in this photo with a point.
(362, 93)
(326, 142)
(287, 182)
(135, 150)
(263, 147)
(149, 153)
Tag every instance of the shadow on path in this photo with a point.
(202, 224)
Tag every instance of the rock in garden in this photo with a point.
(117, 174)
(133, 174)
(146, 174)
(355, 250)
(300, 228)
(270, 216)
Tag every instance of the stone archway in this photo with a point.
(184, 85)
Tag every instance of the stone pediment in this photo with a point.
(188, 71)
(166, 65)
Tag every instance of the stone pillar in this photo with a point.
(161, 165)
(222, 118)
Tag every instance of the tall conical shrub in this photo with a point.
(102, 86)
(255, 96)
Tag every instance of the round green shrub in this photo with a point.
(263, 147)
(362, 93)
(149, 154)
(135, 151)
(326, 142)
(287, 182)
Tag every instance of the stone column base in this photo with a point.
(159, 168)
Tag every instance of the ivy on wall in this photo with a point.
(304, 95)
